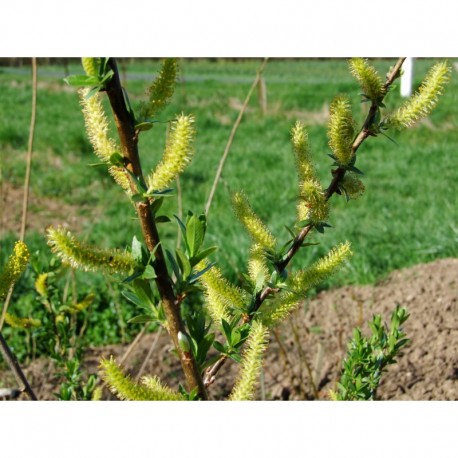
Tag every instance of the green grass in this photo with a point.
(408, 214)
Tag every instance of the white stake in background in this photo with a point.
(406, 78)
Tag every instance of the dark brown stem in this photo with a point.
(337, 176)
(125, 125)
(11, 360)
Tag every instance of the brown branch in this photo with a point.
(338, 175)
(125, 125)
(11, 360)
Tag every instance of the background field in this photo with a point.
(407, 216)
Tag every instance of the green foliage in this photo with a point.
(367, 358)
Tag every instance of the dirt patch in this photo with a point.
(306, 352)
(42, 211)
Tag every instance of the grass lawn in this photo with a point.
(408, 214)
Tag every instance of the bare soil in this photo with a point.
(305, 354)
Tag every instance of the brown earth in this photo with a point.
(42, 211)
(311, 345)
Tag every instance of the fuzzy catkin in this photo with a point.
(368, 78)
(423, 101)
(125, 388)
(177, 155)
(341, 130)
(251, 365)
(15, 266)
(221, 296)
(86, 257)
(256, 229)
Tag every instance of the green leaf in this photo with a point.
(162, 219)
(184, 263)
(193, 278)
(175, 267)
(195, 233)
(137, 198)
(227, 331)
(144, 126)
(156, 205)
(140, 319)
(81, 80)
(117, 160)
(136, 249)
(202, 255)
(219, 347)
(149, 273)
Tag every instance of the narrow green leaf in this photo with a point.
(227, 331)
(184, 263)
(202, 255)
(219, 347)
(140, 319)
(162, 219)
(195, 233)
(81, 80)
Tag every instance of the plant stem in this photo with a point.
(12, 362)
(128, 137)
(232, 135)
(338, 175)
(29, 149)
(25, 200)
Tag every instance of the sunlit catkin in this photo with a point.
(256, 229)
(423, 101)
(122, 385)
(341, 130)
(251, 365)
(177, 155)
(368, 78)
(15, 266)
(85, 257)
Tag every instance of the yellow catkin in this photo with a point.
(221, 296)
(353, 186)
(41, 284)
(91, 65)
(125, 388)
(21, 323)
(86, 257)
(423, 101)
(162, 89)
(257, 263)
(251, 365)
(257, 230)
(368, 78)
(273, 313)
(341, 130)
(311, 203)
(177, 155)
(97, 126)
(15, 266)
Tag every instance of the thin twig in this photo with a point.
(25, 201)
(150, 352)
(12, 362)
(232, 135)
